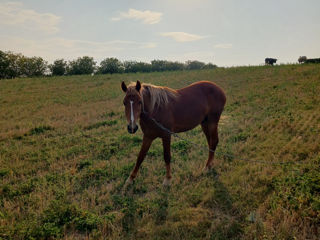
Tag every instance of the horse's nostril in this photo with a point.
(132, 130)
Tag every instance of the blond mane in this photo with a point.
(158, 95)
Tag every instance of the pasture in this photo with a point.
(65, 154)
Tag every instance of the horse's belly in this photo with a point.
(178, 129)
(187, 122)
(189, 112)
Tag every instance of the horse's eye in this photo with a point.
(124, 103)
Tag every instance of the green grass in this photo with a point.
(65, 155)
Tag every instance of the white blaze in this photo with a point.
(132, 117)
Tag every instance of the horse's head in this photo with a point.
(133, 105)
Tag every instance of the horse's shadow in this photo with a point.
(222, 196)
(229, 227)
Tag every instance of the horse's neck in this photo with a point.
(146, 106)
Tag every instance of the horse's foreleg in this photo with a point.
(146, 143)
(166, 141)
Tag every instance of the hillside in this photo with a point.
(65, 154)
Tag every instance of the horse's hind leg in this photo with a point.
(167, 157)
(210, 129)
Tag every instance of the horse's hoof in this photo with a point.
(206, 169)
(128, 182)
(166, 182)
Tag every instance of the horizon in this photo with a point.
(227, 34)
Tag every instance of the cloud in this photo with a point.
(147, 17)
(14, 14)
(182, 36)
(54, 48)
(205, 56)
(223, 45)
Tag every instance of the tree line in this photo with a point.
(14, 65)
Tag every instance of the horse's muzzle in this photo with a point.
(132, 130)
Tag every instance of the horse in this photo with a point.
(162, 111)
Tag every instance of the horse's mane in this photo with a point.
(158, 95)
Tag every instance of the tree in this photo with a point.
(174, 66)
(134, 66)
(32, 67)
(4, 64)
(143, 67)
(14, 68)
(59, 67)
(111, 65)
(158, 65)
(163, 65)
(194, 65)
(130, 66)
(210, 66)
(82, 65)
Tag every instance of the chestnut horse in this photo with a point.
(176, 110)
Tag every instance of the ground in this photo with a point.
(65, 155)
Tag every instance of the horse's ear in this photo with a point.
(124, 87)
(138, 86)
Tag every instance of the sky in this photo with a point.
(223, 32)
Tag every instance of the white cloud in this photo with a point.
(223, 45)
(54, 48)
(14, 14)
(147, 17)
(149, 45)
(182, 36)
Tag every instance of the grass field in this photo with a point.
(65, 154)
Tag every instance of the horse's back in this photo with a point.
(212, 93)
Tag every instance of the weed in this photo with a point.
(101, 124)
(4, 172)
(61, 215)
(38, 130)
(84, 164)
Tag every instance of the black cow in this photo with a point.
(270, 61)
(313, 60)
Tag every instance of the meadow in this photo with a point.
(65, 154)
